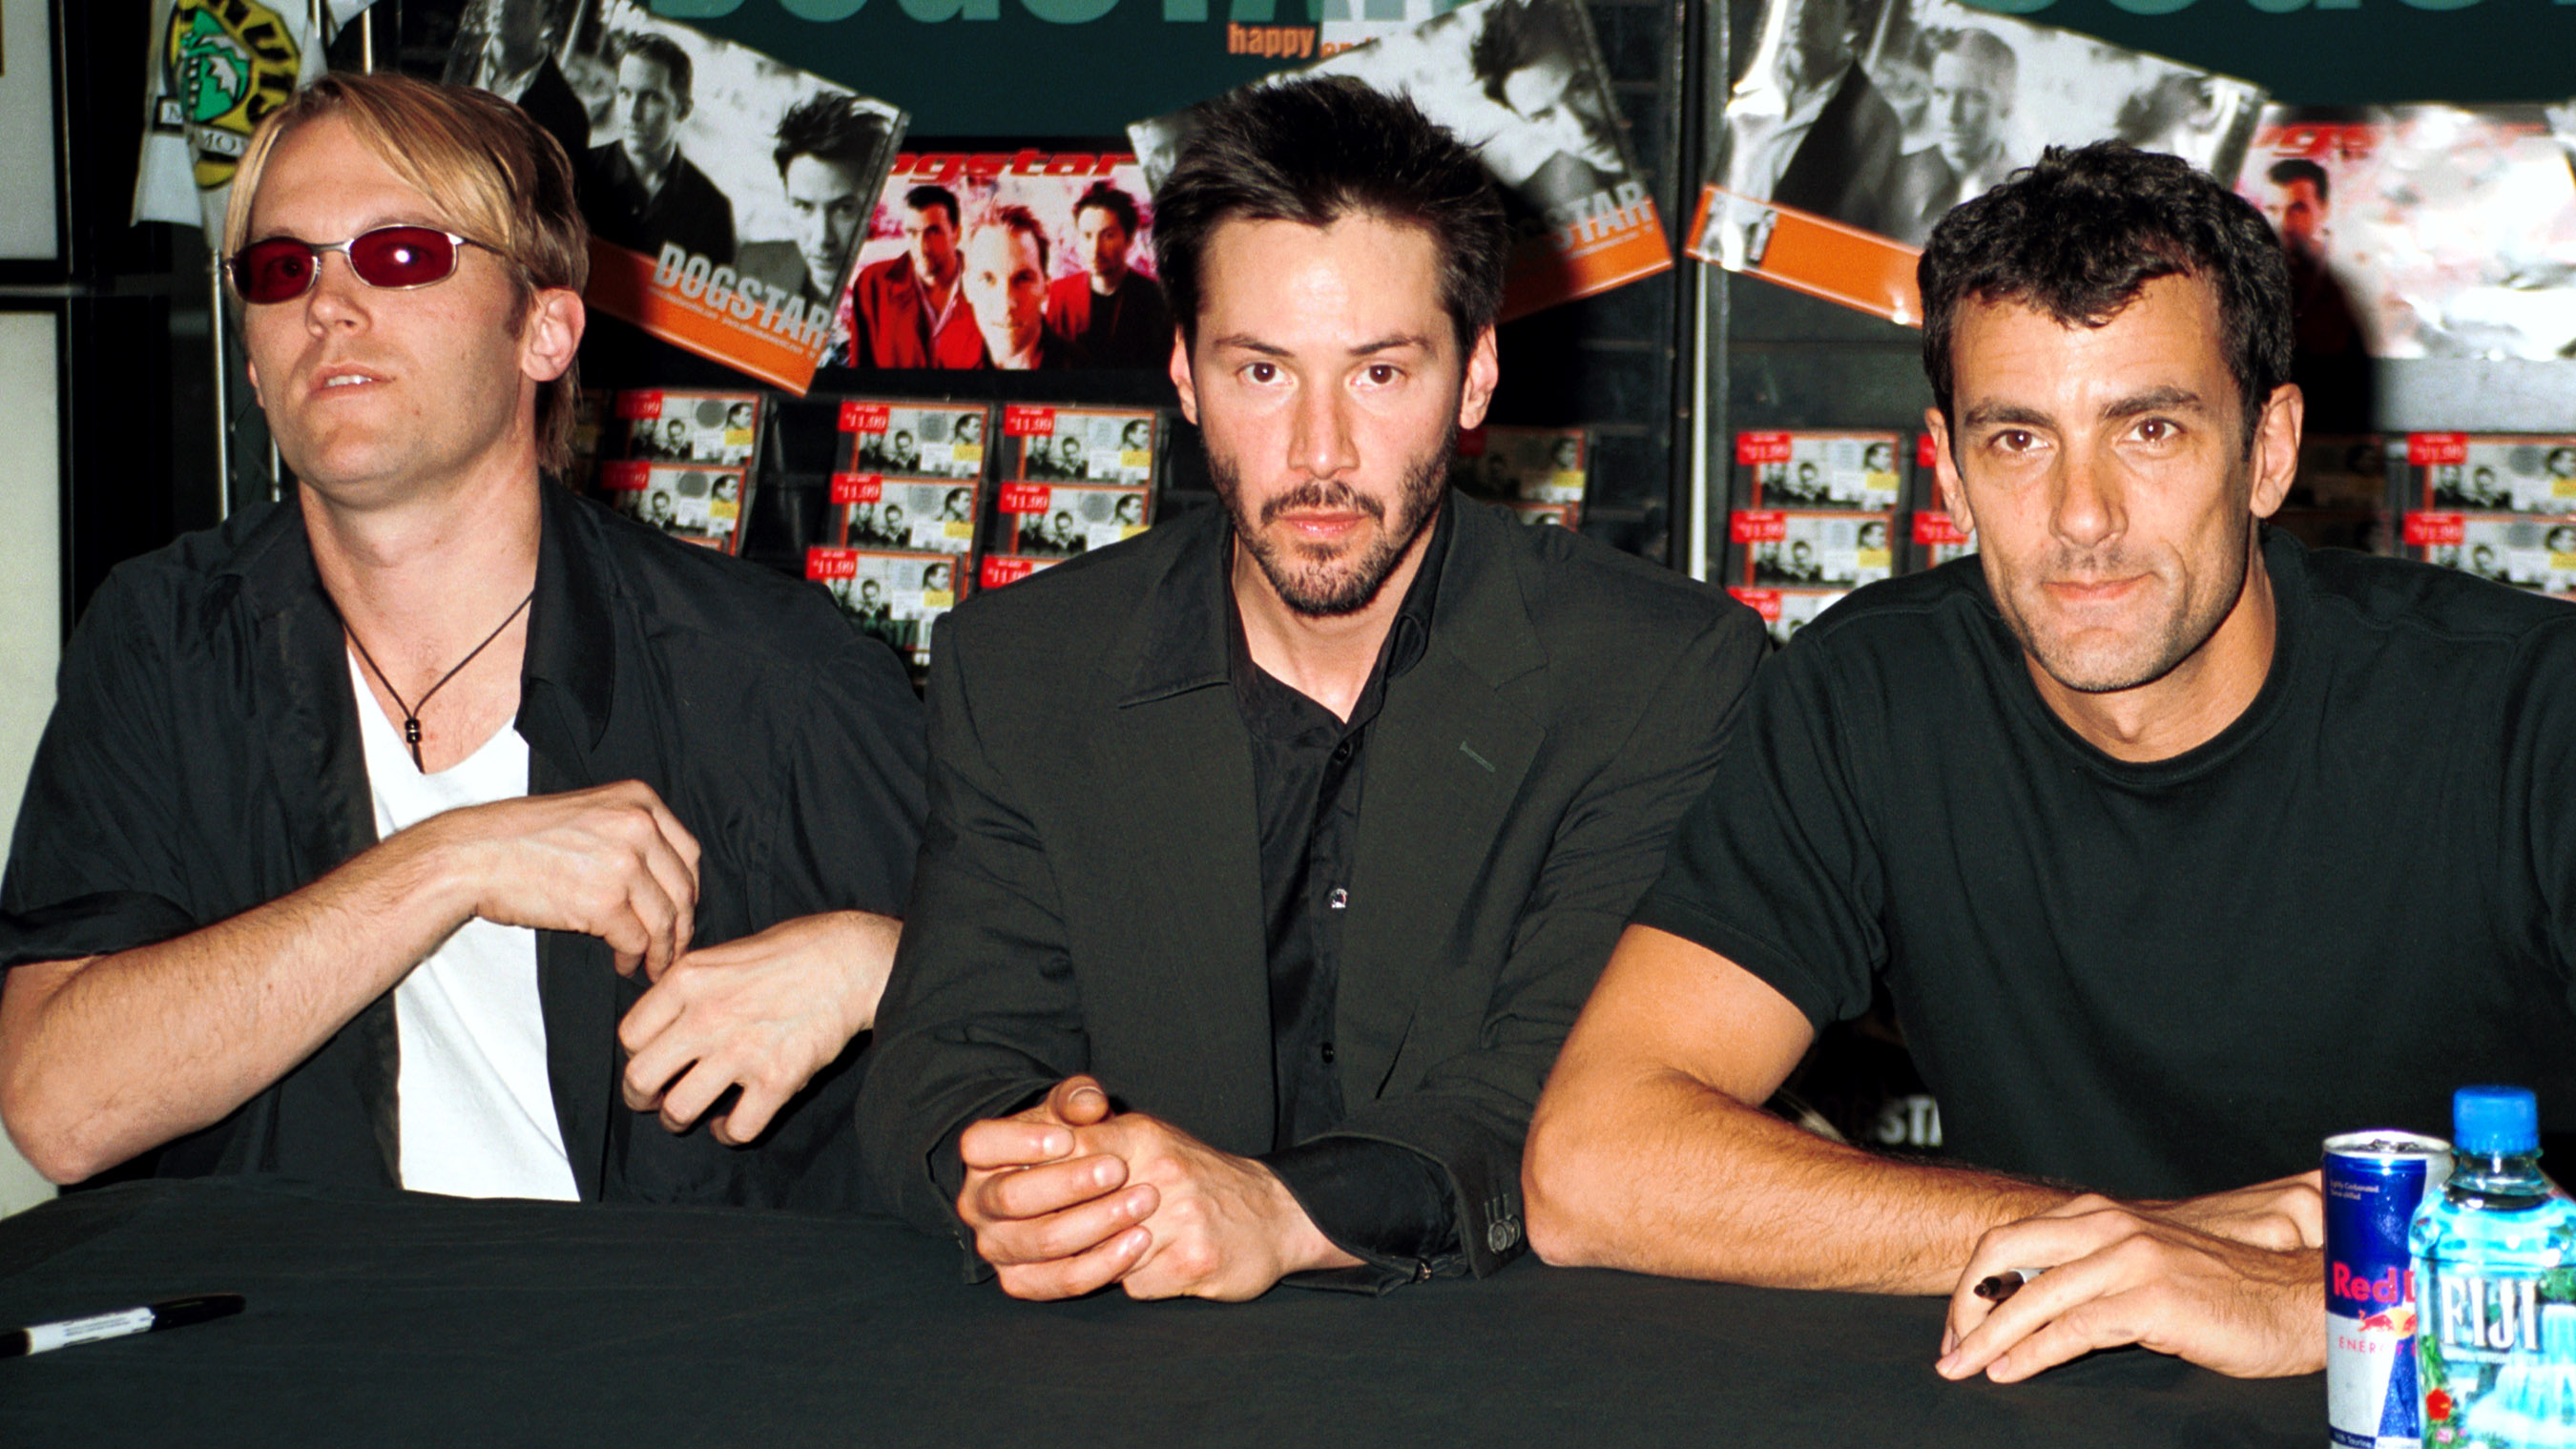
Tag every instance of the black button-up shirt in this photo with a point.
(1375, 1200)
(203, 759)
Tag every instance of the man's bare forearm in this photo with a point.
(108, 1056)
(1660, 1173)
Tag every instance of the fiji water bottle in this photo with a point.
(2495, 1278)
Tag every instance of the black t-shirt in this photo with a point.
(2174, 977)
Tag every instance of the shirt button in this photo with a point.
(1340, 898)
(1342, 752)
(1328, 1054)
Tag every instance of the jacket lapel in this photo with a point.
(565, 687)
(1446, 758)
(1179, 814)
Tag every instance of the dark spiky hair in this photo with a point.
(1315, 151)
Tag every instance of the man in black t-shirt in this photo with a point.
(2176, 846)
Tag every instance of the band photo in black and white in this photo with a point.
(923, 441)
(1884, 114)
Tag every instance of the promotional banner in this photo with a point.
(725, 191)
(2422, 231)
(218, 67)
(1520, 81)
(1859, 123)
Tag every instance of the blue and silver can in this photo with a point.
(2373, 1180)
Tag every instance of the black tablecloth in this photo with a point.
(393, 1318)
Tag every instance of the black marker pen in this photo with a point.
(2005, 1284)
(168, 1313)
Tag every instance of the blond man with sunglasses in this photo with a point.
(433, 826)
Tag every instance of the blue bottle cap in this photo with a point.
(2495, 1121)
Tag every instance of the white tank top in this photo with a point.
(476, 1106)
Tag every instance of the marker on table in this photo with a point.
(168, 1313)
(2005, 1284)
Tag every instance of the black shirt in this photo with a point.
(1375, 1200)
(2177, 977)
(204, 758)
(1130, 327)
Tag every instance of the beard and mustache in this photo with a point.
(1321, 582)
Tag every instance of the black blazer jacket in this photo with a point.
(1089, 892)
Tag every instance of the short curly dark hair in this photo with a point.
(2078, 235)
(1314, 151)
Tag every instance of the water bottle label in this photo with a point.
(2489, 1376)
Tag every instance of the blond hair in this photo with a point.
(492, 173)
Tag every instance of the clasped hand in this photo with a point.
(763, 1013)
(2233, 1282)
(1069, 1197)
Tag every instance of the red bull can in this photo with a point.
(2373, 1180)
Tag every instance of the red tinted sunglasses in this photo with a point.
(283, 268)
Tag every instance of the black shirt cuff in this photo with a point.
(1387, 1205)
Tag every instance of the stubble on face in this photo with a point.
(1327, 582)
(1329, 398)
(2094, 661)
(432, 383)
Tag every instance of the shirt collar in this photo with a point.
(572, 644)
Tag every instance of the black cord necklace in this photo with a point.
(411, 712)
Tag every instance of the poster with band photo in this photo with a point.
(1027, 254)
(1058, 520)
(1858, 123)
(1822, 469)
(1522, 83)
(897, 438)
(1114, 446)
(2493, 472)
(893, 595)
(695, 503)
(2530, 551)
(672, 425)
(915, 517)
(1778, 548)
(2421, 231)
(726, 191)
